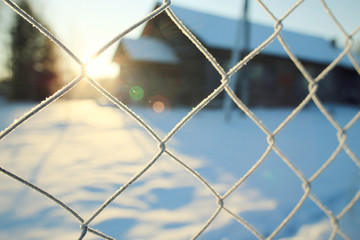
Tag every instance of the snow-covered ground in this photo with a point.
(82, 153)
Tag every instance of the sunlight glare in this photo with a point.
(102, 69)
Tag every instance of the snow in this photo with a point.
(82, 152)
(149, 49)
(219, 32)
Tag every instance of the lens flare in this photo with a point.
(158, 107)
(136, 93)
(159, 103)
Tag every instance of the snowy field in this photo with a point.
(82, 152)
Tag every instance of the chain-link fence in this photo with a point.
(313, 84)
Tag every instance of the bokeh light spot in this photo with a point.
(159, 104)
(136, 93)
(158, 107)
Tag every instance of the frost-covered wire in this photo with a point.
(225, 88)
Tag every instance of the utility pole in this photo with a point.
(242, 35)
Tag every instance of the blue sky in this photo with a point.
(86, 25)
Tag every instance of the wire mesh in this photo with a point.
(223, 87)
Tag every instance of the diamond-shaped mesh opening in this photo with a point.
(271, 190)
(314, 223)
(343, 183)
(221, 164)
(351, 217)
(226, 227)
(33, 214)
(310, 147)
(154, 204)
(139, 189)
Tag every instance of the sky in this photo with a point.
(84, 26)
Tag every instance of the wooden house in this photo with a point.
(164, 62)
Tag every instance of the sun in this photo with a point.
(102, 69)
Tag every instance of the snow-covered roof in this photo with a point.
(149, 49)
(219, 32)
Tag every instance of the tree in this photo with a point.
(32, 61)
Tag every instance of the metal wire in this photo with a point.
(223, 87)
